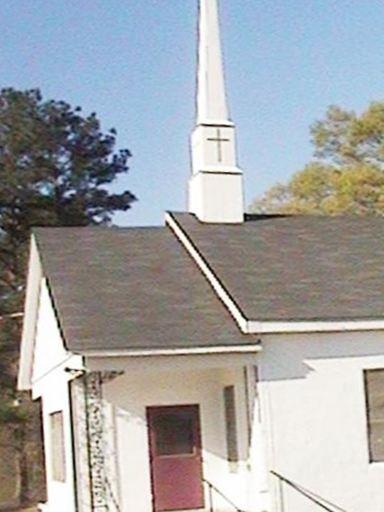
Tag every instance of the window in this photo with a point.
(174, 434)
(230, 423)
(374, 392)
(57, 446)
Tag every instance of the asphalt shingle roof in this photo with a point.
(137, 288)
(297, 268)
(130, 288)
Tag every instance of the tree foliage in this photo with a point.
(347, 173)
(56, 168)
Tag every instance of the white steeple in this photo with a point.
(216, 184)
(211, 99)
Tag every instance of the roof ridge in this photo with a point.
(98, 228)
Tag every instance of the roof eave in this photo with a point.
(35, 274)
(219, 349)
(313, 326)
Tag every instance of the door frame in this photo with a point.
(170, 408)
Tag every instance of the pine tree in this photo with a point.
(56, 166)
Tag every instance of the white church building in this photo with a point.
(222, 362)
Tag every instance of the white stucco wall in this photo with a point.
(49, 351)
(60, 495)
(50, 381)
(313, 406)
(133, 392)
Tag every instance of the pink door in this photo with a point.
(175, 451)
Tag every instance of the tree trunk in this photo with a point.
(24, 490)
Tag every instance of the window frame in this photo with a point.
(372, 456)
(231, 428)
(58, 461)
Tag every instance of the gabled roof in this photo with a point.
(138, 288)
(296, 268)
(131, 288)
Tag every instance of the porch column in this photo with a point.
(94, 444)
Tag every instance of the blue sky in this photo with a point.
(133, 62)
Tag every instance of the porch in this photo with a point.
(167, 433)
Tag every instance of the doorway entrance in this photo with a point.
(175, 455)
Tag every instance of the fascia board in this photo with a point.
(232, 349)
(31, 307)
(266, 327)
(210, 276)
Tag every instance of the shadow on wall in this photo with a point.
(294, 356)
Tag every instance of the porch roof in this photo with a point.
(131, 288)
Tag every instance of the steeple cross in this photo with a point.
(219, 141)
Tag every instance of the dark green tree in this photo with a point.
(56, 168)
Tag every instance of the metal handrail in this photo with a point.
(211, 488)
(318, 500)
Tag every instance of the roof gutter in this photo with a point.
(264, 327)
